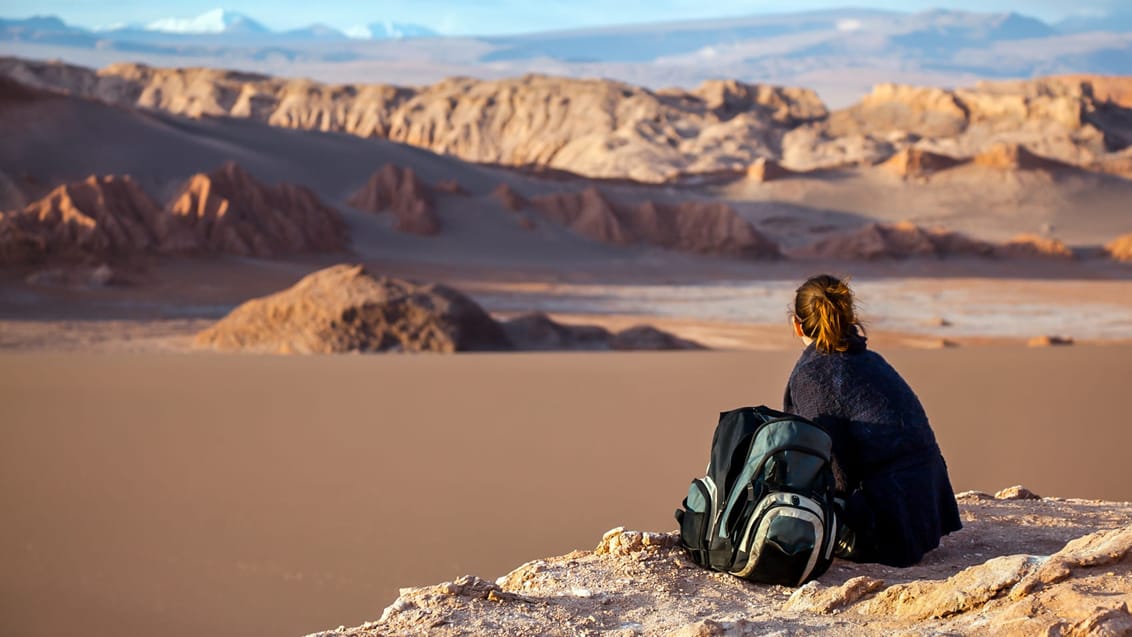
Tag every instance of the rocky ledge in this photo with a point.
(1022, 565)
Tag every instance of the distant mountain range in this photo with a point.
(840, 52)
(211, 26)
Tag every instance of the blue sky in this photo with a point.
(498, 16)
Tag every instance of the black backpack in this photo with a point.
(765, 509)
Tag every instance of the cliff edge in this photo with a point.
(1022, 565)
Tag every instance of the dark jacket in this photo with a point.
(888, 465)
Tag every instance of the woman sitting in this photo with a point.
(898, 500)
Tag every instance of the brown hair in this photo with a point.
(825, 308)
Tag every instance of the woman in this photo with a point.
(888, 467)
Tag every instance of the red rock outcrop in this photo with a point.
(902, 240)
(911, 163)
(345, 309)
(230, 212)
(398, 189)
(1120, 248)
(691, 226)
(103, 217)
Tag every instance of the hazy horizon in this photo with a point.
(500, 17)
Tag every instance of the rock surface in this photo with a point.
(1025, 568)
(99, 217)
(540, 332)
(691, 226)
(397, 189)
(228, 211)
(902, 240)
(343, 308)
(912, 163)
(906, 240)
(607, 129)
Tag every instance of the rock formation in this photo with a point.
(607, 129)
(594, 128)
(397, 189)
(912, 163)
(906, 240)
(540, 332)
(1018, 568)
(230, 212)
(902, 240)
(100, 217)
(226, 211)
(691, 226)
(345, 309)
(1120, 248)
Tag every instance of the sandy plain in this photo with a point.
(224, 495)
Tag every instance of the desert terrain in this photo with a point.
(459, 271)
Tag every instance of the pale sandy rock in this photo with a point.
(990, 578)
(1102, 548)
(728, 98)
(1017, 492)
(398, 189)
(814, 597)
(1120, 248)
(595, 128)
(606, 129)
(620, 542)
(345, 309)
(967, 590)
(1032, 246)
(107, 216)
(1049, 340)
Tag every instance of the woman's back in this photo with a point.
(890, 469)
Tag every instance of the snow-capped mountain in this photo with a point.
(215, 21)
(387, 30)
